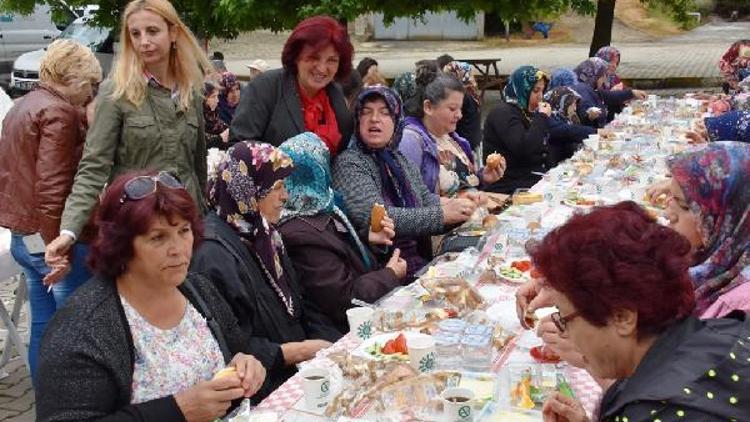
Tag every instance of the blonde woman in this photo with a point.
(148, 116)
(40, 147)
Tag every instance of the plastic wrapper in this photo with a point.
(245, 413)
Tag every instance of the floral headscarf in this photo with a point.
(715, 182)
(214, 124)
(396, 186)
(560, 99)
(563, 77)
(247, 173)
(226, 111)
(730, 126)
(462, 71)
(309, 185)
(521, 83)
(609, 54)
(405, 85)
(590, 70)
(732, 62)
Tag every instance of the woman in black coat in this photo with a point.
(301, 97)
(143, 339)
(519, 128)
(245, 258)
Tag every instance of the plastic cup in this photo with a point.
(316, 384)
(422, 353)
(360, 322)
(457, 405)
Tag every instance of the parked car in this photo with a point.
(100, 40)
(23, 33)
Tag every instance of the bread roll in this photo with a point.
(376, 217)
(225, 372)
(494, 160)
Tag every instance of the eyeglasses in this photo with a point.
(561, 322)
(140, 187)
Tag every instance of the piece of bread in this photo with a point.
(525, 198)
(494, 160)
(489, 221)
(376, 217)
(225, 372)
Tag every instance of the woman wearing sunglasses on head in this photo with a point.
(144, 339)
(621, 284)
(149, 115)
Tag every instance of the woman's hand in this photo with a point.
(619, 87)
(593, 113)
(457, 210)
(384, 236)
(560, 408)
(397, 264)
(490, 176)
(209, 400)
(640, 94)
(225, 136)
(658, 189)
(56, 257)
(478, 197)
(250, 371)
(300, 351)
(529, 297)
(545, 109)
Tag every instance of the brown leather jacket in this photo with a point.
(41, 144)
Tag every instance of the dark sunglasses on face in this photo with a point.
(140, 187)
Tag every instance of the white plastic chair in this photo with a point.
(10, 270)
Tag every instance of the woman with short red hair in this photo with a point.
(302, 96)
(621, 284)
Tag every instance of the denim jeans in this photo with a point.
(43, 304)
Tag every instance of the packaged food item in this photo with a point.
(525, 198)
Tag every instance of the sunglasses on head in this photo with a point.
(140, 187)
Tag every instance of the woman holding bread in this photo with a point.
(430, 141)
(374, 171)
(336, 265)
(519, 129)
(143, 339)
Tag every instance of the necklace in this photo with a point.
(288, 303)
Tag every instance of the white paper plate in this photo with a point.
(382, 339)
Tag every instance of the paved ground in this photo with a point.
(16, 395)
(690, 55)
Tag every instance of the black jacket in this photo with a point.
(87, 358)
(331, 267)
(270, 110)
(524, 143)
(697, 369)
(225, 260)
(566, 138)
(470, 125)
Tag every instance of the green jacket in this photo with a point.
(156, 136)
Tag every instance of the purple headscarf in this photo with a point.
(590, 70)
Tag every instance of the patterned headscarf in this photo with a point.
(405, 85)
(462, 71)
(590, 70)
(730, 126)
(395, 184)
(247, 173)
(609, 54)
(563, 77)
(214, 124)
(715, 182)
(309, 185)
(226, 111)
(560, 99)
(731, 62)
(521, 83)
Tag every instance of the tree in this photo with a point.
(605, 16)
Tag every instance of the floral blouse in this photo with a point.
(170, 361)
(456, 170)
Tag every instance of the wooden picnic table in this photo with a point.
(489, 76)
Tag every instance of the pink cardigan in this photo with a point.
(735, 299)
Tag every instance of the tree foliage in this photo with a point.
(226, 18)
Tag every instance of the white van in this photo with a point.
(22, 33)
(100, 40)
